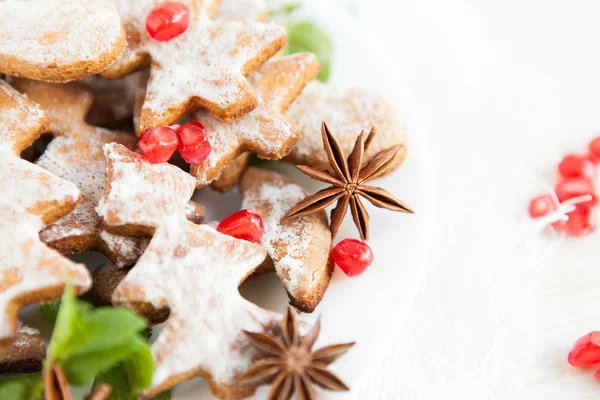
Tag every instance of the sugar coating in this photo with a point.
(288, 244)
(62, 32)
(25, 334)
(347, 112)
(265, 131)
(192, 269)
(251, 10)
(206, 62)
(29, 194)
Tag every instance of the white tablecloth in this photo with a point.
(505, 88)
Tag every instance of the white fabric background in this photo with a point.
(505, 88)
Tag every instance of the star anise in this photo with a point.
(290, 365)
(348, 183)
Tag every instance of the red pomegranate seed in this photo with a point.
(581, 221)
(352, 256)
(193, 143)
(594, 147)
(542, 205)
(158, 144)
(586, 351)
(567, 188)
(167, 21)
(244, 224)
(574, 165)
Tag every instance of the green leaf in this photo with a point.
(285, 9)
(139, 366)
(49, 311)
(27, 387)
(306, 36)
(166, 395)
(87, 342)
(81, 368)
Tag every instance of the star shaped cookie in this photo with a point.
(346, 112)
(193, 270)
(204, 67)
(76, 155)
(30, 272)
(265, 131)
(298, 247)
(25, 354)
(59, 40)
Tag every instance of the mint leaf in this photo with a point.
(139, 366)
(306, 36)
(49, 311)
(88, 341)
(28, 387)
(166, 395)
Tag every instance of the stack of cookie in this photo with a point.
(83, 68)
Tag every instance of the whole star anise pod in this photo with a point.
(290, 365)
(348, 183)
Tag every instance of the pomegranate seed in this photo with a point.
(352, 256)
(586, 351)
(542, 205)
(568, 188)
(167, 21)
(193, 143)
(594, 147)
(158, 144)
(574, 165)
(581, 221)
(244, 224)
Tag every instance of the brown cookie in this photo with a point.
(187, 268)
(347, 112)
(59, 40)
(215, 55)
(76, 155)
(25, 354)
(265, 131)
(298, 247)
(30, 272)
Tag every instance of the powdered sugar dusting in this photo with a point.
(299, 247)
(251, 10)
(347, 112)
(51, 33)
(24, 335)
(187, 268)
(29, 194)
(265, 130)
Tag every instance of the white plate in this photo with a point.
(368, 309)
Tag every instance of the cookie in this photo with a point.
(187, 268)
(30, 272)
(215, 55)
(76, 155)
(25, 354)
(347, 112)
(59, 40)
(250, 10)
(265, 131)
(114, 101)
(299, 247)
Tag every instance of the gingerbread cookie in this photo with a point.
(265, 131)
(250, 10)
(187, 268)
(347, 112)
(59, 40)
(25, 354)
(298, 247)
(76, 155)
(215, 56)
(30, 272)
